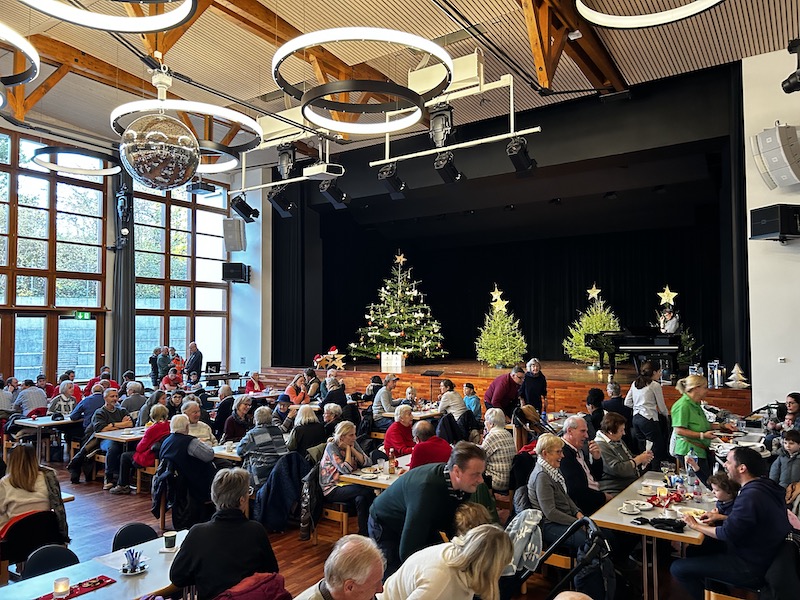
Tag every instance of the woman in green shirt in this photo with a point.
(693, 431)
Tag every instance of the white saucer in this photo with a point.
(369, 476)
(643, 505)
(643, 493)
(635, 511)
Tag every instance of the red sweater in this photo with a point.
(502, 393)
(432, 450)
(144, 455)
(250, 386)
(399, 438)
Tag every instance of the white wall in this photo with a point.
(251, 304)
(774, 268)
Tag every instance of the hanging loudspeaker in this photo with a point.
(235, 237)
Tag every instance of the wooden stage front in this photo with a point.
(567, 383)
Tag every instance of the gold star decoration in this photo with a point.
(667, 296)
(400, 259)
(594, 292)
(498, 304)
(496, 294)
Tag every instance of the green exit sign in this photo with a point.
(82, 315)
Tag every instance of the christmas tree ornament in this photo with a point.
(594, 292)
(667, 296)
(737, 379)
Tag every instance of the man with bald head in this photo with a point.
(429, 448)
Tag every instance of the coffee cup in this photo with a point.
(228, 446)
(170, 537)
(629, 506)
(647, 489)
(670, 513)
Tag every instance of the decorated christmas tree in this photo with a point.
(501, 342)
(597, 317)
(400, 321)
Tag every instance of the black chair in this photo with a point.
(132, 534)
(47, 559)
(26, 535)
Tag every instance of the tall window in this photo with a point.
(52, 263)
(180, 294)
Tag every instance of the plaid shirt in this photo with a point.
(500, 449)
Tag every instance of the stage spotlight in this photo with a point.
(441, 126)
(282, 205)
(243, 209)
(390, 180)
(792, 82)
(446, 168)
(517, 151)
(286, 157)
(333, 194)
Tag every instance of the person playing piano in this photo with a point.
(669, 322)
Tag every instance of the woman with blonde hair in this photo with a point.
(297, 390)
(307, 432)
(342, 456)
(27, 487)
(471, 564)
(691, 426)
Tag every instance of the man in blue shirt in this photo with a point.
(86, 408)
(753, 531)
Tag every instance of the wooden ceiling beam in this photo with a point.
(548, 23)
(171, 37)
(44, 87)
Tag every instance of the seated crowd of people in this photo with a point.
(435, 531)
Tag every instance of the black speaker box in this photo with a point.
(778, 222)
(236, 272)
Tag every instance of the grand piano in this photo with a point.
(642, 343)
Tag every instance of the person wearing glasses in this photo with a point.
(504, 391)
(534, 387)
(239, 423)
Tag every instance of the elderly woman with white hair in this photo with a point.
(498, 443)
(343, 455)
(399, 436)
(211, 556)
(261, 447)
(197, 427)
(335, 393)
(469, 565)
(331, 417)
(307, 431)
(239, 422)
(533, 390)
(191, 457)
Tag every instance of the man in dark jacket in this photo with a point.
(754, 530)
(211, 556)
(582, 469)
(192, 458)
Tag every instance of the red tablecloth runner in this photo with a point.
(84, 587)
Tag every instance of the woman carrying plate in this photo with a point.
(342, 456)
(691, 426)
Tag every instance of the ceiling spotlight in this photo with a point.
(441, 123)
(446, 168)
(334, 194)
(554, 201)
(286, 157)
(390, 180)
(282, 205)
(610, 196)
(509, 207)
(243, 209)
(517, 151)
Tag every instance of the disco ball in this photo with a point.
(159, 152)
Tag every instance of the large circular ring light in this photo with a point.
(20, 43)
(52, 151)
(93, 20)
(407, 99)
(663, 17)
(232, 152)
(358, 34)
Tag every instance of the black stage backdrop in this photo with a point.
(544, 281)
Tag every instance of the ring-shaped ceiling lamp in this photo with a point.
(52, 151)
(144, 106)
(93, 20)
(209, 148)
(3, 96)
(20, 43)
(692, 8)
(360, 34)
(407, 99)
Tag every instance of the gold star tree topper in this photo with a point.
(594, 292)
(498, 304)
(400, 258)
(667, 296)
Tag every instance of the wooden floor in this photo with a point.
(95, 515)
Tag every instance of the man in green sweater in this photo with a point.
(409, 515)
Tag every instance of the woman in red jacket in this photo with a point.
(399, 437)
(144, 456)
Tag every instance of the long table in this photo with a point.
(418, 414)
(383, 480)
(40, 423)
(132, 434)
(610, 517)
(153, 581)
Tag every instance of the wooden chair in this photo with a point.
(99, 459)
(377, 435)
(338, 512)
(149, 471)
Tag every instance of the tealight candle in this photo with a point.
(61, 587)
